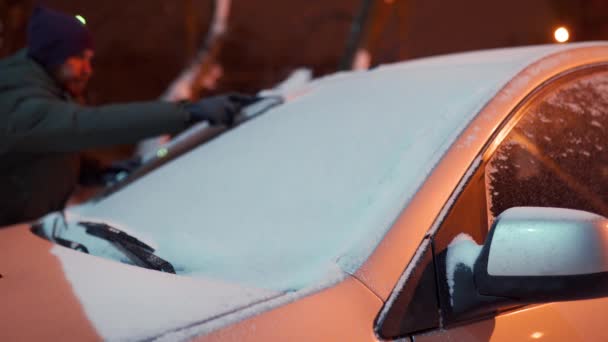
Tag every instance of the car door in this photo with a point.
(554, 154)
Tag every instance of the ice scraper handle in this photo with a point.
(219, 110)
(260, 106)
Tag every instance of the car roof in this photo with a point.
(317, 182)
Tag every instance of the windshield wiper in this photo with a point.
(137, 251)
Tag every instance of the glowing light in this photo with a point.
(537, 335)
(162, 152)
(81, 19)
(561, 35)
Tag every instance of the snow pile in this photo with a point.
(294, 82)
(462, 252)
(131, 303)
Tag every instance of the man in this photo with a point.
(44, 126)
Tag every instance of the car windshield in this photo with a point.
(307, 190)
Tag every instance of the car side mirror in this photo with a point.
(534, 255)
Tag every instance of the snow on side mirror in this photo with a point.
(534, 255)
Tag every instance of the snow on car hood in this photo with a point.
(130, 303)
(277, 202)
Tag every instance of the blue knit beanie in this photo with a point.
(53, 37)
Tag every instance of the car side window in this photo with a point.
(557, 154)
(414, 307)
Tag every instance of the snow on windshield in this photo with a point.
(276, 203)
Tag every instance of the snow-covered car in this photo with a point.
(460, 198)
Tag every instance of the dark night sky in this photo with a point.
(143, 44)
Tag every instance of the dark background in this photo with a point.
(142, 45)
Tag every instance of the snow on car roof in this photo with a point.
(276, 203)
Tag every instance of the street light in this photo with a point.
(561, 35)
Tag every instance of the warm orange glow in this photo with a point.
(537, 335)
(561, 35)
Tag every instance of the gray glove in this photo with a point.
(219, 110)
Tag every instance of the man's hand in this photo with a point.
(119, 170)
(219, 110)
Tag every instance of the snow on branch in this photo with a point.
(185, 86)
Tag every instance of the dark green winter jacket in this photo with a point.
(42, 131)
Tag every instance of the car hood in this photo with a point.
(118, 301)
(127, 302)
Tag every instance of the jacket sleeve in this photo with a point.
(91, 171)
(50, 125)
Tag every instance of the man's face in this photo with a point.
(75, 72)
